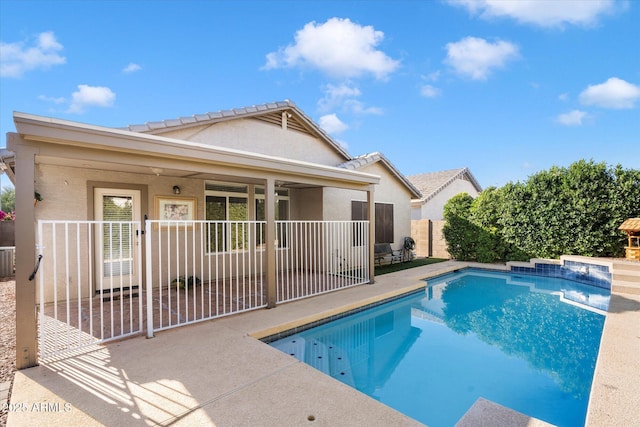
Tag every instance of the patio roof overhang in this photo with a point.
(76, 144)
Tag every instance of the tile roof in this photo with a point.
(212, 116)
(257, 111)
(370, 158)
(431, 183)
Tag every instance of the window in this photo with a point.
(384, 220)
(226, 202)
(282, 213)
(232, 236)
(230, 202)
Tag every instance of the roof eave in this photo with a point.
(45, 129)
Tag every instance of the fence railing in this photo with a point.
(199, 270)
(88, 283)
(92, 287)
(315, 257)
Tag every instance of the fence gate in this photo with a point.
(90, 288)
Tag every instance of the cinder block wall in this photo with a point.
(438, 242)
(429, 238)
(420, 234)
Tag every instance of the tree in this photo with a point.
(458, 230)
(8, 199)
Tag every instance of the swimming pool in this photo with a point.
(529, 343)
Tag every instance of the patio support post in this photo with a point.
(270, 237)
(371, 204)
(25, 238)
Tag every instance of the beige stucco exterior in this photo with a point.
(263, 138)
(390, 190)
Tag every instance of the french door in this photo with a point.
(117, 239)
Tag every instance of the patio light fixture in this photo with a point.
(176, 189)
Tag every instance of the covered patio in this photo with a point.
(256, 267)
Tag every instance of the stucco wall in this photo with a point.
(306, 204)
(67, 195)
(264, 138)
(434, 208)
(337, 203)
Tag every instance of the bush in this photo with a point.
(186, 282)
(575, 210)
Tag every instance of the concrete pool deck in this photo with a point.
(216, 373)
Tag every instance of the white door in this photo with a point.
(117, 240)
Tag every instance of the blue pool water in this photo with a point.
(529, 343)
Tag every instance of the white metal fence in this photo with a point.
(92, 287)
(199, 270)
(315, 257)
(88, 283)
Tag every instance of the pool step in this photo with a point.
(626, 277)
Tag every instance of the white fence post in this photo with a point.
(148, 288)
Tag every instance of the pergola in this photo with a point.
(632, 227)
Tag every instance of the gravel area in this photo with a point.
(7, 335)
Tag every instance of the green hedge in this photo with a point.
(575, 210)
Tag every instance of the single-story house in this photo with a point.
(165, 223)
(427, 211)
(437, 188)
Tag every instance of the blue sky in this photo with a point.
(506, 88)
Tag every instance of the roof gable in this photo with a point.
(432, 183)
(371, 158)
(284, 114)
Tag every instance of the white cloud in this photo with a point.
(59, 100)
(131, 68)
(335, 95)
(432, 77)
(338, 47)
(429, 91)
(357, 107)
(477, 58)
(614, 93)
(343, 97)
(332, 124)
(16, 58)
(563, 97)
(552, 13)
(91, 96)
(572, 118)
